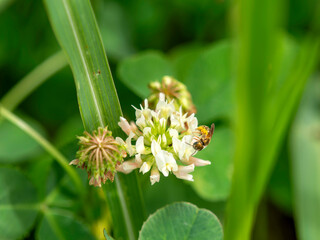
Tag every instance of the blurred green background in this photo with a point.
(144, 40)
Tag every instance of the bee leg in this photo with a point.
(194, 152)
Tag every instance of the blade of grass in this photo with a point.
(33, 80)
(262, 123)
(257, 35)
(76, 29)
(45, 144)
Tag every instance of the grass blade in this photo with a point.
(263, 117)
(257, 28)
(76, 29)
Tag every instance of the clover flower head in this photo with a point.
(160, 141)
(99, 154)
(173, 90)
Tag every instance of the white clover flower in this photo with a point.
(161, 141)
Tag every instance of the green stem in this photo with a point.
(124, 206)
(33, 80)
(44, 143)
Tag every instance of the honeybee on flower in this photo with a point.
(205, 134)
(161, 141)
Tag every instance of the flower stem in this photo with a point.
(44, 143)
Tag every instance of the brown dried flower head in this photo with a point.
(173, 90)
(99, 154)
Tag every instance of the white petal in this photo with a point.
(128, 166)
(173, 133)
(140, 145)
(138, 112)
(160, 105)
(171, 162)
(186, 169)
(176, 144)
(138, 158)
(145, 167)
(165, 172)
(199, 162)
(161, 163)
(187, 139)
(141, 121)
(129, 147)
(146, 103)
(162, 97)
(155, 176)
(124, 125)
(183, 172)
(120, 141)
(155, 148)
(187, 177)
(164, 139)
(192, 122)
(146, 131)
(155, 115)
(163, 123)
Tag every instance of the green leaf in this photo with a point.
(114, 27)
(18, 204)
(213, 182)
(61, 226)
(210, 82)
(181, 221)
(67, 132)
(183, 58)
(257, 26)
(305, 149)
(138, 71)
(15, 144)
(76, 29)
(38, 172)
(77, 32)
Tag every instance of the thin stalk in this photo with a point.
(124, 209)
(33, 80)
(44, 143)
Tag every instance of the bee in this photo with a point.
(205, 137)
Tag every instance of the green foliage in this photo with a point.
(58, 225)
(181, 221)
(18, 204)
(138, 71)
(77, 32)
(15, 144)
(210, 82)
(270, 49)
(183, 58)
(305, 148)
(263, 112)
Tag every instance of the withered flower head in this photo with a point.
(173, 90)
(99, 154)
